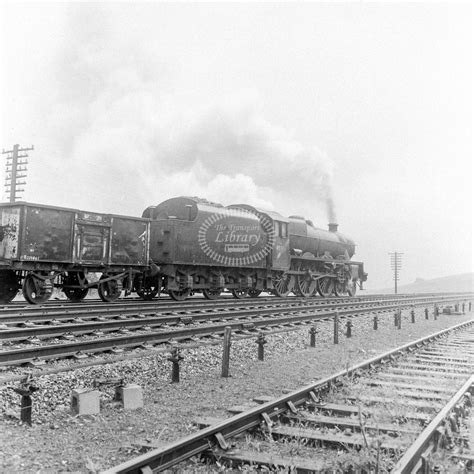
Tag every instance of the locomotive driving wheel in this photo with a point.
(35, 289)
(254, 293)
(75, 279)
(283, 284)
(9, 286)
(305, 285)
(179, 295)
(211, 293)
(325, 287)
(240, 293)
(110, 290)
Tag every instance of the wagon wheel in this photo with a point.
(9, 286)
(352, 288)
(340, 288)
(240, 293)
(305, 285)
(179, 295)
(110, 290)
(283, 284)
(35, 290)
(254, 293)
(211, 294)
(325, 287)
(75, 279)
(150, 288)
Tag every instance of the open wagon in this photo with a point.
(42, 247)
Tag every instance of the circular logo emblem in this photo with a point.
(236, 237)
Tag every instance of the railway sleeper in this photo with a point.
(439, 374)
(347, 438)
(348, 410)
(401, 385)
(393, 430)
(440, 359)
(446, 367)
(421, 405)
(414, 393)
(236, 457)
(432, 379)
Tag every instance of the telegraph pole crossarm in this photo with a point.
(15, 165)
(396, 264)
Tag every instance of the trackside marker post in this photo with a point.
(336, 327)
(312, 336)
(175, 358)
(349, 329)
(26, 390)
(261, 341)
(226, 351)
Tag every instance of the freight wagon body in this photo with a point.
(42, 246)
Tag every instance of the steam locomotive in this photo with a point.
(182, 246)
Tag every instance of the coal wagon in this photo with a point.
(42, 247)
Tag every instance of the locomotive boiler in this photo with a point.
(322, 260)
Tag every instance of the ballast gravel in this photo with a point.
(60, 441)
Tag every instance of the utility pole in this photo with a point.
(396, 264)
(15, 170)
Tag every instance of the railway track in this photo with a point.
(18, 328)
(392, 412)
(20, 312)
(49, 313)
(194, 324)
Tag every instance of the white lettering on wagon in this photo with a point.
(29, 257)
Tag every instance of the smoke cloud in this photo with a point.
(124, 131)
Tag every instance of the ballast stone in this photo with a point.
(131, 396)
(85, 401)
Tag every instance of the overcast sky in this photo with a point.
(277, 105)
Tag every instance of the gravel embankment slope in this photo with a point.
(58, 441)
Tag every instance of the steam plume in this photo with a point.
(115, 113)
(331, 211)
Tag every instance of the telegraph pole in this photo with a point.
(396, 264)
(15, 170)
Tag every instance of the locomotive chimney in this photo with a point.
(332, 227)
